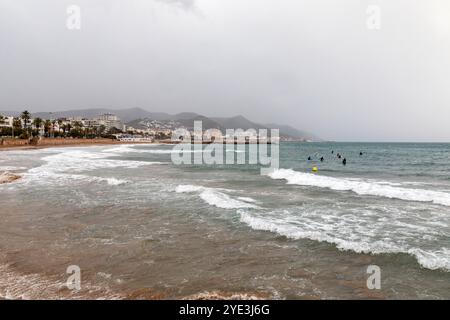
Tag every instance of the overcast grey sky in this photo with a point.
(311, 64)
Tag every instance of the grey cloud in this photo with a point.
(312, 64)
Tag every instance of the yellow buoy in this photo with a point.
(314, 169)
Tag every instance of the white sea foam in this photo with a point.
(362, 187)
(11, 168)
(112, 181)
(247, 199)
(69, 164)
(214, 197)
(439, 259)
(187, 188)
(63, 178)
(120, 149)
(130, 149)
(360, 231)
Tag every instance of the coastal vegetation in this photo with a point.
(27, 127)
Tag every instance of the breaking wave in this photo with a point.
(361, 232)
(68, 166)
(215, 197)
(361, 187)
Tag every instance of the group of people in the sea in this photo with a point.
(338, 156)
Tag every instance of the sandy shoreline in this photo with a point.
(71, 144)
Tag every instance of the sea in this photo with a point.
(139, 226)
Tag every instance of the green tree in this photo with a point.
(37, 122)
(17, 127)
(47, 127)
(100, 130)
(60, 126)
(64, 129)
(2, 121)
(53, 128)
(77, 125)
(26, 118)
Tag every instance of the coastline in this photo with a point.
(81, 142)
(69, 143)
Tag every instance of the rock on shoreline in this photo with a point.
(7, 177)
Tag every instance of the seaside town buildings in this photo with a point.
(108, 123)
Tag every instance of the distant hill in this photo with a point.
(238, 122)
(125, 114)
(207, 123)
(10, 113)
(285, 131)
(139, 118)
(184, 116)
(292, 132)
(174, 122)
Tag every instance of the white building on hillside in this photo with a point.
(110, 121)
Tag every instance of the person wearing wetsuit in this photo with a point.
(309, 158)
(344, 162)
(321, 159)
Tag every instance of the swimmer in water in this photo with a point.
(321, 159)
(360, 153)
(344, 162)
(309, 158)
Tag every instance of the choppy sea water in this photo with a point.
(139, 226)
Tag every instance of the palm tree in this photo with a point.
(60, 122)
(2, 119)
(37, 122)
(47, 127)
(77, 126)
(53, 128)
(64, 128)
(16, 124)
(25, 117)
